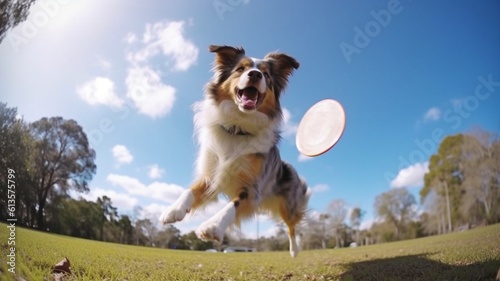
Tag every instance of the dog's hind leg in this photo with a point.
(189, 199)
(294, 196)
(291, 222)
(294, 248)
(293, 216)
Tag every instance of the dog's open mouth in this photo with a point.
(248, 97)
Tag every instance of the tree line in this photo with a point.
(462, 187)
(52, 156)
(461, 190)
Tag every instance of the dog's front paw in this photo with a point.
(179, 209)
(173, 214)
(214, 228)
(210, 231)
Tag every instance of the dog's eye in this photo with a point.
(240, 69)
(266, 75)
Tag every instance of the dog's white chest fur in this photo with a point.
(222, 154)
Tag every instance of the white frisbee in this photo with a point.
(320, 128)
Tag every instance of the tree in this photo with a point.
(63, 160)
(323, 218)
(194, 243)
(126, 234)
(74, 217)
(382, 232)
(396, 207)
(148, 229)
(445, 176)
(338, 211)
(13, 13)
(16, 147)
(481, 166)
(108, 213)
(170, 238)
(433, 219)
(314, 236)
(355, 217)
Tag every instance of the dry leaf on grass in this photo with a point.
(61, 269)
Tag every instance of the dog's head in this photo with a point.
(254, 85)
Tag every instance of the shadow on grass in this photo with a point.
(419, 267)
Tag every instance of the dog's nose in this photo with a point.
(255, 75)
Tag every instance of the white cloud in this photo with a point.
(411, 176)
(155, 172)
(367, 224)
(313, 215)
(157, 190)
(152, 211)
(167, 38)
(144, 85)
(122, 201)
(303, 158)
(289, 128)
(122, 155)
(130, 38)
(101, 90)
(433, 114)
(320, 188)
(149, 94)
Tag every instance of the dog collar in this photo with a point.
(234, 130)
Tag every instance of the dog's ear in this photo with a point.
(226, 58)
(226, 55)
(282, 66)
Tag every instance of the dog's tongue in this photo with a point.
(249, 97)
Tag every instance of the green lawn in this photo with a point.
(468, 255)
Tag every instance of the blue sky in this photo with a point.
(407, 72)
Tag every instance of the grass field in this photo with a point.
(468, 255)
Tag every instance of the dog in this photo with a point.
(238, 129)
